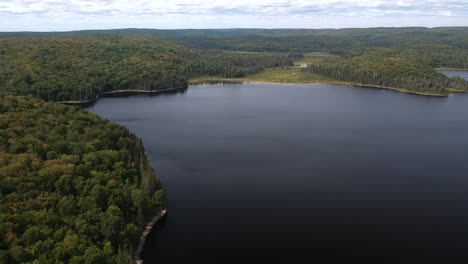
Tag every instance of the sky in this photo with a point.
(64, 15)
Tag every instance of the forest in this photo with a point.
(229, 38)
(81, 68)
(74, 188)
(410, 70)
(83, 65)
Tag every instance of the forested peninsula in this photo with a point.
(82, 68)
(75, 188)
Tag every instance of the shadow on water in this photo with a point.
(127, 93)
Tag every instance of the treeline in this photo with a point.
(74, 188)
(237, 64)
(294, 44)
(435, 56)
(336, 41)
(227, 38)
(388, 68)
(81, 68)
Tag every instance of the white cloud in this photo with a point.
(16, 14)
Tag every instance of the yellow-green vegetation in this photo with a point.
(286, 74)
(453, 90)
(274, 75)
(295, 74)
(74, 188)
(451, 69)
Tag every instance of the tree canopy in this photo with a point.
(81, 68)
(74, 188)
(407, 69)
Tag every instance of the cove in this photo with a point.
(283, 173)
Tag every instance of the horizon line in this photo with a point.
(231, 28)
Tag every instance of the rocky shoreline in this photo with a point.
(144, 236)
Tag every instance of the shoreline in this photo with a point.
(127, 92)
(130, 91)
(457, 91)
(81, 103)
(163, 213)
(401, 90)
(149, 228)
(349, 84)
(199, 81)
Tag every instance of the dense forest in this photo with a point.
(410, 70)
(74, 188)
(81, 65)
(81, 68)
(230, 38)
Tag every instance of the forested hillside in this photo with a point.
(284, 40)
(338, 41)
(81, 65)
(407, 69)
(74, 188)
(382, 37)
(81, 68)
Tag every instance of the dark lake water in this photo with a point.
(271, 173)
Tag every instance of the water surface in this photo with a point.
(271, 173)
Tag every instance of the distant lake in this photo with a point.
(452, 73)
(272, 173)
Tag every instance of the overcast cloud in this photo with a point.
(48, 15)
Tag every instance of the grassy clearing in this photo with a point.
(286, 75)
(294, 74)
(454, 90)
(274, 75)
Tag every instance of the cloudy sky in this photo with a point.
(58, 15)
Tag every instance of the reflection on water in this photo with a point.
(270, 173)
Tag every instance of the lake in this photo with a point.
(282, 173)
